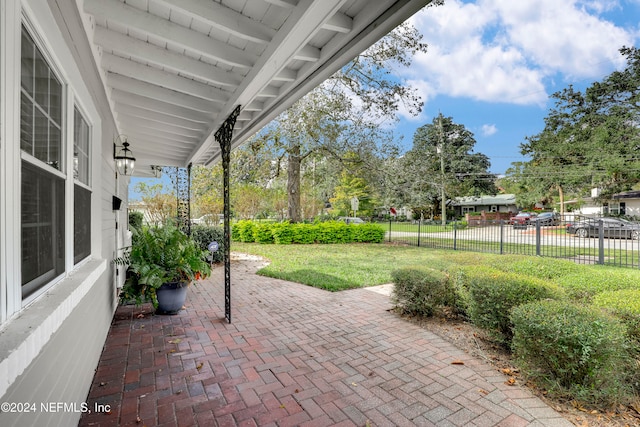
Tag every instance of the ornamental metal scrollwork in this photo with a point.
(224, 135)
(181, 179)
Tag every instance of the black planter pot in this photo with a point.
(171, 297)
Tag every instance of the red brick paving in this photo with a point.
(294, 356)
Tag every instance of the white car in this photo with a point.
(351, 220)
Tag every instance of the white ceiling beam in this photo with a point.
(287, 4)
(223, 18)
(152, 133)
(303, 23)
(339, 23)
(129, 46)
(254, 106)
(138, 87)
(135, 70)
(308, 53)
(134, 123)
(286, 75)
(158, 106)
(128, 16)
(270, 92)
(168, 142)
(160, 118)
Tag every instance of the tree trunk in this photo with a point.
(561, 196)
(293, 183)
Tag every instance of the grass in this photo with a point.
(348, 266)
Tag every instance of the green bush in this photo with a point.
(421, 290)
(283, 233)
(542, 268)
(136, 219)
(576, 352)
(304, 233)
(368, 233)
(625, 305)
(592, 280)
(245, 231)
(262, 233)
(493, 294)
(205, 234)
(333, 232)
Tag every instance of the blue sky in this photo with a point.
(492, 64)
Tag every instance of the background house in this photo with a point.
(504, 203)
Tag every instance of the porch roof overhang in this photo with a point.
(174, 70)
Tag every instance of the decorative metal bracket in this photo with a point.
(223, 135)
(181, 178)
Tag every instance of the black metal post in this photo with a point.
(223, 136)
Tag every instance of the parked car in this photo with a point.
(351, 220)
(613, 228)
(523, 218)
(547, 218)
(209, 219)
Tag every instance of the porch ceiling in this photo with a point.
(175, 69)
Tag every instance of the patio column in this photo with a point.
(181, 178)
(223, 136)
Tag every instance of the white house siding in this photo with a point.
(50, 345)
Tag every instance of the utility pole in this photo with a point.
(440, 150)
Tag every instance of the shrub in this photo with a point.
(420, 290)
(573, 351)
(304, 233)
(333, 232)
(368, 233)
(585, 285)
(205, 234)
(283, 233)
(136, 219)
(245, 231)
(625, 305)
(493, 294)
(542, 268)
(262, 233)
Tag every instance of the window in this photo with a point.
(82, 194)
(494, 208)
(467, 209)
(42, 183)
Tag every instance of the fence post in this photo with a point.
(419, 221)
(601, 242)
(501, 237)
(455, 235)
(389, 230)
(538, 238)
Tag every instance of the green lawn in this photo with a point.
(347, 266)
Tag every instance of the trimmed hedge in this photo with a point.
(285, 233)
(203, 235)
(420, 290)
(492, 294)
(542, 268)
(585, 285)
(573, 351)
(625, 305)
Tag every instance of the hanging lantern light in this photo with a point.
(125, 162)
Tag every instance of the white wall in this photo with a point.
(50, 346)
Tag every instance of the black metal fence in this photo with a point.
(582, 239)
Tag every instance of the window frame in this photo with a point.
(63, 171)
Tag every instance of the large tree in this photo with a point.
(442, 161)
(590, 139)
(344, 114)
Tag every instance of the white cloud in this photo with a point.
(488, 130)
(505, 50)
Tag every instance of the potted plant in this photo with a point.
(162, 262)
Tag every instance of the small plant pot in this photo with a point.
(171, 297)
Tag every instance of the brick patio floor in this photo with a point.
(295, 356)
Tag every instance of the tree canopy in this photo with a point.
(590, 139)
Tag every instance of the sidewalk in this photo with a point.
(295, 356)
